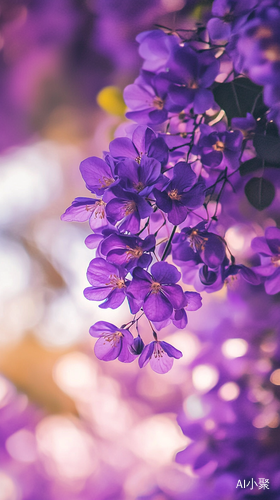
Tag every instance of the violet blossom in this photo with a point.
(98, 174)
(139, 177)
(268, 247)
(128, 251)
(193, 73)
(112, 343)
(108, 282)
(220, 149)
(143, 142)
(161, 356)
(182, 193)
(179, 317)
(128, 209)
(157, 292)
(83, 209)
(149, 99)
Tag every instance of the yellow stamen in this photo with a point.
(173, 194)
(158, 103)
(219, 146)
(155, 287)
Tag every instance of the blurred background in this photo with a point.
(71, 425)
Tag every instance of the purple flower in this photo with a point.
(137, 346)
(210, 246)
(161, 356)
(202, 258)
(181, 194)
(128, 251)
(157, 292)
(229, 16)
(247, 274)
(179, 316)
(259, 45)
(155, 48)
(107, 283)
(83, 209)
(149, 99)
(97, 174)
(139, 177)
(194, 72)
(268, 248)
(245, 125)
(129, 208)
(112, 343)
(220, 149)
(144, 142)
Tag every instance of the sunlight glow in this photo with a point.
(229, 391)
(234, 348)
(205, 377)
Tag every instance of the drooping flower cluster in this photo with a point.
(168, 189)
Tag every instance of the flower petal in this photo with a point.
(107, 349)
(147, 352)
(97, 174)
(99, 272)
(175, 295)
(272, 284)
(101, 327)
(157, 307)
(165, 273)
(170, 350)
(194, 301)
(114, 299)
(123, 147)
(160, 361)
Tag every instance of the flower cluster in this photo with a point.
(251, 32)
(167, 190)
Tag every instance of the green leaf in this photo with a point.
(268, 148)
(238, 97)
(260, 192)
(250, 166)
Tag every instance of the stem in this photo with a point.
(219, 196)
(131, 323)
(169, 243)
(143, 228)
(193, 134)
(154, 333)
(255, 102)
(156, 233)
(236, 98)
(178, 147)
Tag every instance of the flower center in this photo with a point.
(98, 209)
(219, 146)
(130, 208)
(158, 103)
(197, 241)
(138, 158)
(134, 252)
(155, 287)
(112, 338)
(273, 53)
(263, 32)
(105, 182)
(173, 194)
(116, 282)
(193, 85)
(230, 281)
(275, 260)
(139, 186)
(158, 351)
